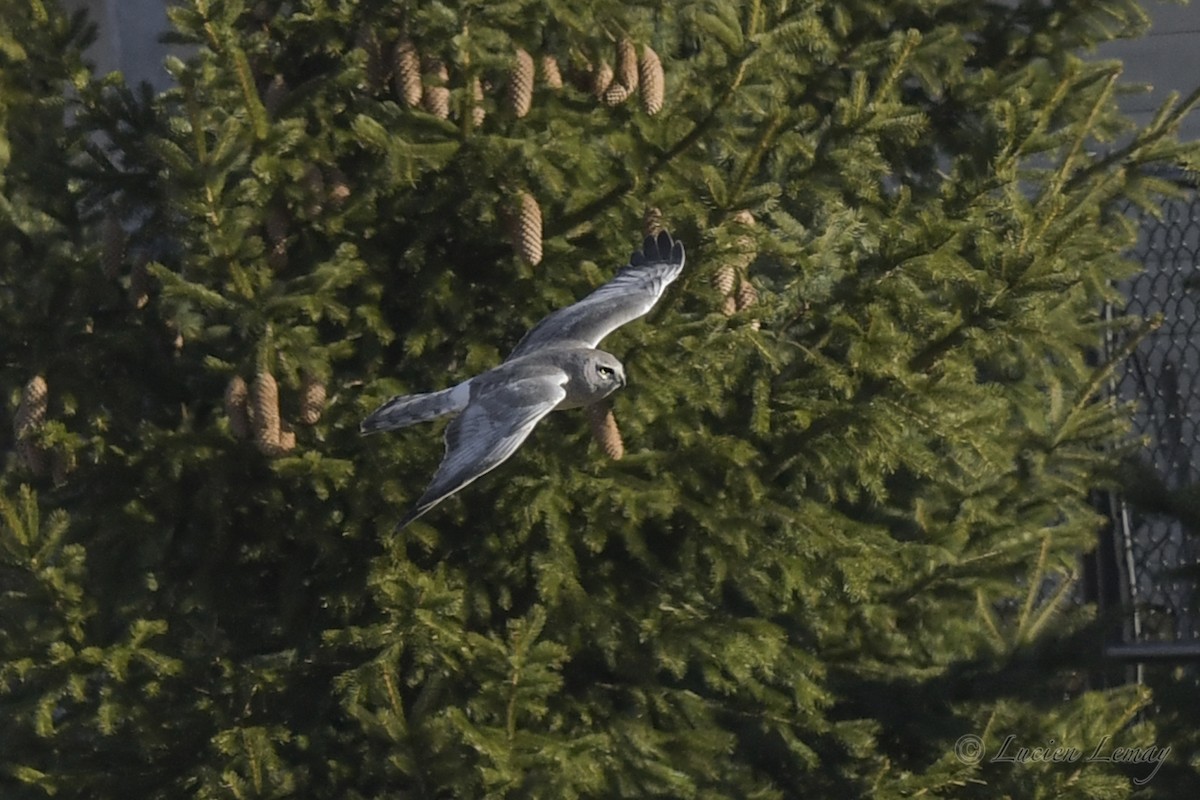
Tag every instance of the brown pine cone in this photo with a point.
(605, 430)
(406, 73)
(520, 84)
(286, 443)
(526, 228)
(724, 279)
(551, 75)
(276, 225)
(436, 99)
(368, 41)
(652, 221)
(32, 456)
(312, 400)
(478, 113)
(236, 393)
(31, 413)
(615, 94)
(339, 187)
(744, 217)
(653, 82)
(314, 186)
(62, 464)
(139, 283)
(274, 95)
(745, 250)
(747, 295)
(264, 412)
(627, 64)
(601, 79)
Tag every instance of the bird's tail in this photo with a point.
(409, 409)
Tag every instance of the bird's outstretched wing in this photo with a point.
(629, 295)
(501, 413)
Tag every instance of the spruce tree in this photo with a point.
(839, 532)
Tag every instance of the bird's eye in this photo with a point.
(607, 372)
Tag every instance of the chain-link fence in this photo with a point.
(1151, 544)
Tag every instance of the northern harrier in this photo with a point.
(555, 366)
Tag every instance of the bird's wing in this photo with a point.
(503, 410)
(629, 295)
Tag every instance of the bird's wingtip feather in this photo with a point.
(660, 248)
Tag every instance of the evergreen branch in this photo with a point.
(597, 206)
(1164, 125)
(1052, 199)
(912, 39)
(1050, 607)
(1060, 176)
(1035, 586)
(254, 104)
(989, 618)
(1048, 110)
(746, 173)
(193, 112)
(1089, 391)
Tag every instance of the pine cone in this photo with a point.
(520, 84)
(339, 187)
(745, 248)
(605, 430)
(62, 464)
(274, 95)
(235, 407)
(312, 400)
(729, 306)
(286, 443)
(744, 217)
(112, 248)
(724, 279)
(747, 295)
(551, 76)
(615, 94)
(602, 78)
(31, 413)
(314, 187)
(627, 64)
(276, 225)
(526, 229)
(139, 283)
(652, 221)
(653, 82)
(478, 113)
(406, 73)
(32, 410)
(437, 97)
(32, 456)
(369, 42)
(264, 412)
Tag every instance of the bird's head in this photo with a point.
(607, 373)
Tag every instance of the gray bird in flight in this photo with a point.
(555, 366)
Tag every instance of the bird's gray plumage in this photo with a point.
(631, 294)
(555, 366)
